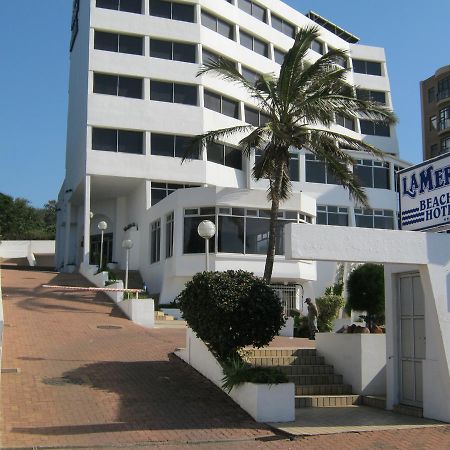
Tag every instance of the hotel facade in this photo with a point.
(135, 101)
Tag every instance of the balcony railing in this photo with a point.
(444, 124)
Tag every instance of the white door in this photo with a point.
(412, 338)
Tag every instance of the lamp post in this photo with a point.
(206, 229)
(127, 244)
(102, 226)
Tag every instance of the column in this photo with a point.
(67, 234)
(87, 219)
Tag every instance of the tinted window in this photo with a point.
(160, 8)
(130, 87)
(183, 12)
(193, 243)
(130, 141)
(214, 152)
(104, 139)
(160, 49)
(212, 101)
(186, 94)
(130, 44)
(281, 25)
(252, 116)
(231, 235)
(182, 144)
(249, 75)
(317, 46)
(134, 6)
(105, 84)
(261, 47)
(233, 158)
(246, 40)
(106, 41)
(161, 91)
(294, 167)
(256, 236)
(367, 67)
(184, 52)
(279, 56)
(108, 4)
(162, 144)
(209, 21)
(373, 68)
(225, 29)
(230, 108)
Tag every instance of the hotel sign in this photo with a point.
(425, 195)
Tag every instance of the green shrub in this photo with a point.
(230, 310)
(237, 371)
(301, 328)
(366, 292)
(328, 306)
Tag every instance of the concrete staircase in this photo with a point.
(316, 384)
(159, 315)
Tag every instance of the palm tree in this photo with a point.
(300, 105)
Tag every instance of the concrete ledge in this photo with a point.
(264, 402)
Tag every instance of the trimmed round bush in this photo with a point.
(230, 310)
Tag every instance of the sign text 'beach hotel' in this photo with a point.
(425, 195)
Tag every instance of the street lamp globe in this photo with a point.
(127, 244)
(102, 226)
(206, 229)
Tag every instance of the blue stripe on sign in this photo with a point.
(412, 216)
(410, 222)
(407, 211)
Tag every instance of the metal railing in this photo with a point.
(290, 296)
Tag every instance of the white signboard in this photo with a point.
(425, 195)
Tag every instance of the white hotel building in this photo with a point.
(135, 100)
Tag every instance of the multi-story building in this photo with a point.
(135, 100)
(435, 100)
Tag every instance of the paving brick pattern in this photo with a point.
(80, 386)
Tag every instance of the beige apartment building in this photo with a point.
(435, 99)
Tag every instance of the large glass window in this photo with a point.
(218, 25)
(112, 140)
(162, 190)
(374, 96)
(192, 242)
(171, 145)
(250, 75)
(121, 43)
(332, 215)
(443, 88)
(374, 218)
(372, 174)
(173, 92)
(253, 9)
(253, 43)
(374, 128)
(171, 10)
(117, 85)
(317, 46)
(224, 154)
(221, 104)
(155, 241)
(444, 118)
(255, 117)
(176, 51)
(169, 234)
(133, 6)
(279, 55)
(282, 25)
(445, 145)
(346, 122)
(318, 172)
(367, 67)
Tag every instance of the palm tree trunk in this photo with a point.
(275, 195)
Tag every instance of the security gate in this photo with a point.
(411, 338)
(289, 294)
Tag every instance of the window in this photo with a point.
(431, 94)
(218, 25)
(374, 128)
(279, 55)
(176, 51)
(155, 241)
(169, 234)
(332, 215)
(281, 25)
(224, 154)
(121, 43)
(445, 145)
(117, 85)
(346, 122)
(252, 43)
(162, 190)
(253, 9)
(317, 46)
(173, 92)
(434, 150)
(251, 76)
(133, 6)
(433, 123)
(170, 145)
(255, 117)
(192, 242)
(366, 67)
(443, 88)
(318, 172)
(341, 61)
(372, 174)
(373, 96)
(208, 56)
(444, 118)
(170, 10)
(374, 218)
(124, 141)
(221, 104)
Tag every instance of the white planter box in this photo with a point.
(140, 311)
(359, 358)
(264, 402)
(174, 312)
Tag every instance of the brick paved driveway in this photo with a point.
(84, 386)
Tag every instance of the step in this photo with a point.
(326, 401)
(305, 380)
(374, 401)
(323, 389)
(407, 410)
(321, 369)
(285, 360)
(266, 352)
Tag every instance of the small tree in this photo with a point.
(230, 310)
(366, 292)
(328, 305)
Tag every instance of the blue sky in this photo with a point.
(34, 40)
